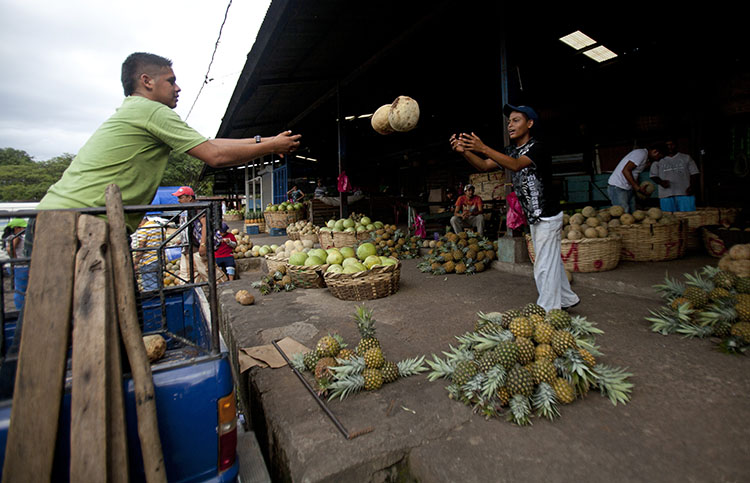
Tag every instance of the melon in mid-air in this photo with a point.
(404, 114)
(379, 120)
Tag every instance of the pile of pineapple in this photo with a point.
(392, 242)
(277, 281)
(593, 223)
(529, 361)
(464, 252)
(710, 303)
(341, 372)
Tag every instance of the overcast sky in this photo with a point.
(61, 63)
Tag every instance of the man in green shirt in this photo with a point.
(131, 148)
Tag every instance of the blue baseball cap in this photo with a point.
(529, 112)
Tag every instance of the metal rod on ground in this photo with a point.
(312, 391)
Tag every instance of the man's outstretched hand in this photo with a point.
(285, 142)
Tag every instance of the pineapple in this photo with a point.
(374, 358)
(322, 371)
(389, 371)
(697, 297)
(544, 351)
(564, 391)
(345, 354)
(741, 330)
(464, 371)
(310, 359)
(723, 279)
(542, 370)
(532, 308)
(520, 382)
(680, 301)
(522, 327)
(503, 395)
(366, 328)
(487, 360)
(742, 307)
(507, 353)
(520, 410)
(543, 333)
(373, 379)
(536, 319)
(509, 315)
(558, 318)
(525, 350)
(588, 358)
(327, 346)
(742, 285)
(561, 341)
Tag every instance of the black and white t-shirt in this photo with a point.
(533, 184)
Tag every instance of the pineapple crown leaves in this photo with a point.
(256, 284)
(588, 344)
(495, 380)
(576, 365)
(493, 317)
(561, 365)
(440, 368)
(733, 345)
(690, 330)
(484, 341)
(613, 383)
(454, 392)
(581, 327)
(717, 313)
(710, 271)
(473, 388)
(666, 320)
(457, 355)
(297, 361)
(339, 339)
(520, 410)
(670, 288)
(348, 367)
(346, 386)
(697, 280)
(411, 367)
(544, 402)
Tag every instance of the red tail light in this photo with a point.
(227, 410)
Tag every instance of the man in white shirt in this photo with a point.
(623, 183)
(677, 176)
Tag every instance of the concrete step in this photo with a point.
(252, 465)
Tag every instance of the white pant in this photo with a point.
(549, 271)
(476, 221)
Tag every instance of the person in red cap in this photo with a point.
(531, 172)
(131, 148)
(185, 194)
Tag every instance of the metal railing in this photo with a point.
(176, 234)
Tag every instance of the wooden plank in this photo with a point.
(40, 376)
(145, 399)
(117, 425)
(88, 414)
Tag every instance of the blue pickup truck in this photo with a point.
(193, 384)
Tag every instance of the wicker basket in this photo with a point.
(233, 217)
(325, 238)
(695, 220)
(588, 254)
(652, 243)
(313, 237)
(718, 239)
(304, 276)
(348, 239)
(275, 262)
(281, 219)
(378, 282)
(293, 235)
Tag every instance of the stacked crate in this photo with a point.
(489, 186)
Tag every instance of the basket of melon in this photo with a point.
(361, 274)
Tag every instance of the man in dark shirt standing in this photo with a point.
(531, 173)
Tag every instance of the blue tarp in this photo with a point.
(164, 196)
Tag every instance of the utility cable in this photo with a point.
(216, 46)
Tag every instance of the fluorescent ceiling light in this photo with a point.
(600, 54)
(578, 40)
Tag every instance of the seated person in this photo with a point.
(320, 190)
(468, 212)
(223, 256)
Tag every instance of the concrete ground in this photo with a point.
(687, 420)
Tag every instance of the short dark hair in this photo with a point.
(659, 146)
(136, 64)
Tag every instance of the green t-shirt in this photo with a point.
(131, 150)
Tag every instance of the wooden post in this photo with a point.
(89, 444)
(40, 376)
(145, 402)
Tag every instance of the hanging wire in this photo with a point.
(206, 80)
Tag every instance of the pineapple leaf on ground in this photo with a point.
(473, 388)
(697, 280)
(690, 330)
(733, 345)
(346, 386)
(411, 367)
(544, 402)
(613, 383)
(670, 288)
(520, 410)
(495, 380)
(440, 368)
(581, 327)
(348, 367)
(298, 362)
(588, 344)
(663, 321)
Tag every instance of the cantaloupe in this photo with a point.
(404, 114)
(379, 120)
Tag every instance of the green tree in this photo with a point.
(23, 179)
(185, 170)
